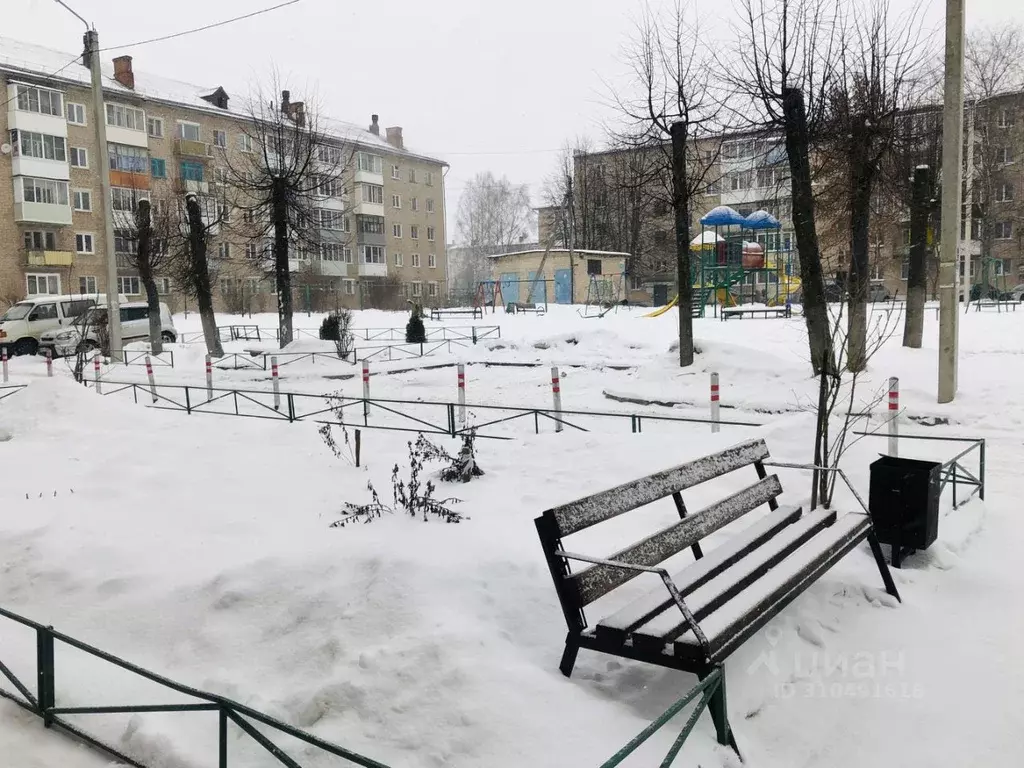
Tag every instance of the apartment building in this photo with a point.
(379, 229)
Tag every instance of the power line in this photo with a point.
(203, 28)
(75, 60)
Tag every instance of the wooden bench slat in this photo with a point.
(595, 581)
(755, 605)
(644, 608)
(585, 512)
(716, 593)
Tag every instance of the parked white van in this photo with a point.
(90, 327)
(24, 323)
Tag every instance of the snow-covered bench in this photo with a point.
(765, 312)
(698, 616)
(439, 313)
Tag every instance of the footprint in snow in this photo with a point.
(811, 632)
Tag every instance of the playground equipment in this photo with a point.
(603, 295)
(662, 310)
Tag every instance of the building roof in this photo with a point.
(579, 251)
(37, 61)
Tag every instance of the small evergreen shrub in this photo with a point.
(415, 332)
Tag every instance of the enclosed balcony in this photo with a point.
(38, 258)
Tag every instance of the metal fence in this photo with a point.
(43, 703)
(7, 390)
(473, 333)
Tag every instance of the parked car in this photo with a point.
(89, 332)
(24, 323)
(878, 292)
(1017, 293)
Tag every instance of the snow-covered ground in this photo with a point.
(199, 547)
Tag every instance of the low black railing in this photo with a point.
(6, 390)
(43, 703)
(471, 333)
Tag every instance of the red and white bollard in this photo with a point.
(3, 354)
(209, 378)
(49, 363)
(556, 394)
(277, 383)
(894, 412)
(715, 405)
(462, 394)
(149, 375)
(366, 389)
(96, 372)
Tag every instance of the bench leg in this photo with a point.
(569, 655)
(717, 706)
(883, 568)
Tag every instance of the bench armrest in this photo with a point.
(673, 591)
(813, 468)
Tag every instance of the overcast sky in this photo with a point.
(483, 84)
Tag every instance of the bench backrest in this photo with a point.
(593, 582)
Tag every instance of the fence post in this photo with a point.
(49, 363)
(277, 383)
(44, 672)
(209, 378)
(715, 405)
(149, 375)
(96, 371)
(3, 353)
(366, 389)
(359, 445)
(894, 410)
(474, 334)
(462, 393)
(556, 393)
(223, 738)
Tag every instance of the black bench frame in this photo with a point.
(555, 524)
(726, 312)
(436, 313)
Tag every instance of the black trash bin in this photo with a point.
(904, 503)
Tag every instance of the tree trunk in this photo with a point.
(200, 274)
(144, 263)
(279, 208)
(681, 207)
(819, 338)
(861, 173)
(917, 273)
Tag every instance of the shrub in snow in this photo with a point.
(461, 467)
(337, 327)
(415, 332)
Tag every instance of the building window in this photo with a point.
(414, 232)
(328, 154)
(224, 250)
(128, 285)
(188, 131)
(636, 283)
(415, 259)
(876, 272)
(83, 243)
(904, 269)
(1006, 118)
(430, 205)
(83, 200)
(412, 177)
(163, 286)
(1002, 267)
(430, 178)
(1003, 156)
(372, 193)
(220, 139)
(123, 116)
(327, 186)
(414, 204)
(252, 250)
(158, 167)
(41, 100)
(431, 261)
(46, 191)
(349, 286)
(396, 172)
(432, 290)
(399, 260)
(1004, 193)
(396, 230)
(371, 225)
(76, 113)
(191, 171)
(593, 266)
(370, 163)
(155, 127)
(417, 289)
(430, 234)
(332, 252)
(129, 159)
(36, 285)
(348, 255)
(122, 199)
(396, 201)
(224, 213)
(125, 243)
(40, 145)
(40, 240)
(373, 254)
(1003, 230)
(86, 284)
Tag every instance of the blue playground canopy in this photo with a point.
(723, 216)
(761, 220)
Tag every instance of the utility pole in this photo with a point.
(952, 158)
(572, 242)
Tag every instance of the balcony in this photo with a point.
(129, 180)
(187, 148)
(50, 258)
(184, 186)
(369, 177)
(42, 213)
(373, 270)
(369, 209)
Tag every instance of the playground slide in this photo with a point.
(663, 310)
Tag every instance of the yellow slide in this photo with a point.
(663, 310)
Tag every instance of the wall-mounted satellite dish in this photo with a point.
(5, 149)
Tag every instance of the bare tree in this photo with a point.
(673, 108)
(289, 165)
(190, 264)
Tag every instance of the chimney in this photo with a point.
(374, 126)
(123, 71)
(286, 101)
(395, 137)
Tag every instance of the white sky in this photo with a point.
(485, 85)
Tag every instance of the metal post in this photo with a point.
(715, 425)
(149, 375)
(96, 372)
(44, 672)
(952, 171)
(474, 334)
(277, 383)
(894, 412)
(209, 379)
(366, 389)
(3, 354)
(359, 445)
(223, 739)
(462, 394)
(556, 393)
(49, 363)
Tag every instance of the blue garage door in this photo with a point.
(509, 287)
(537, 297)
(563, 287)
